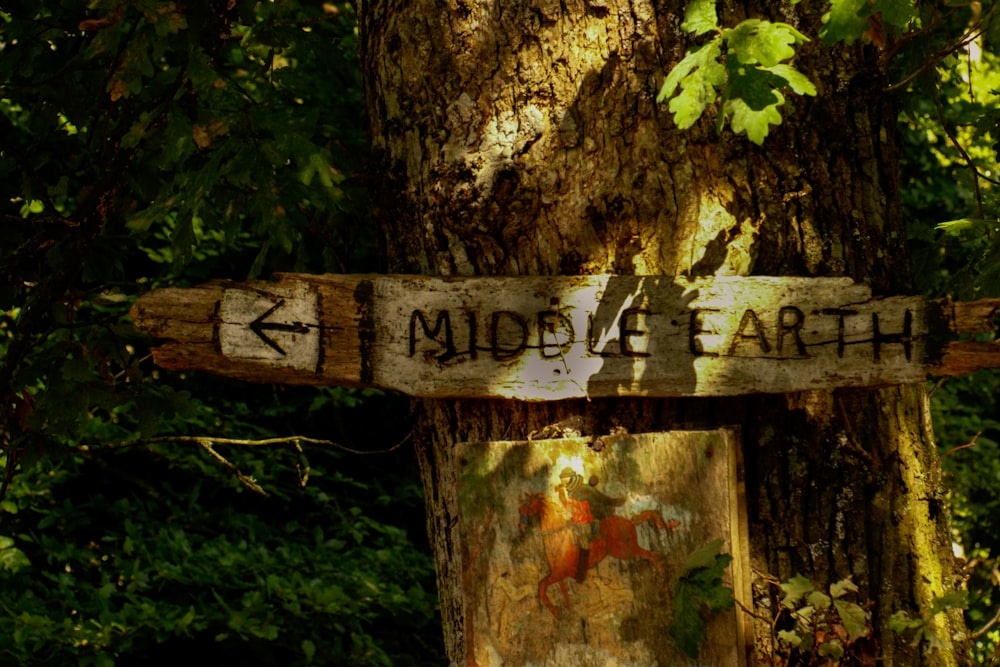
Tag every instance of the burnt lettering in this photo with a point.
(552, 324)
(503, 323)
(591, 344)
(905, 338)
(628, 330)
(441, 324)
(790, 321)
(841, 313)
(695, 328)
(749, 320)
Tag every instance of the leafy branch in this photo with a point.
(825, 623)
(698, 593)
(745, 67)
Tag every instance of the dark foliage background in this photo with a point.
(146, 143)
(151, 143)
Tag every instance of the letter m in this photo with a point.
(443, 321)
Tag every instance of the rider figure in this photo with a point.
(587, 507)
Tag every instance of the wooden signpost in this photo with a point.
(572, 554)
(557, 337)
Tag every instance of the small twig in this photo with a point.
(951, 451)
(302, 465)
(989, 624)
(245, 480)
(937, 385)
(964, 40)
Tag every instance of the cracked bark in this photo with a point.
(524, 139)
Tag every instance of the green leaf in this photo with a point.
(699, 75)
(961, 225)
(754, 86)
(755, 123)
(703, 557)
(901, 622)
(952, 600)
(794, 79)
(895, 12)
(831, 649)
(853, 618)
(842, 587)
(686, 625)
(844, 23)
(794, 589)
(755, 41)
(700, 17)
(790, 637)
(308, 649)
(818, 599)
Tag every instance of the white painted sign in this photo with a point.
(278, 326)
(555, 337)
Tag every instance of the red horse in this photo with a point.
(617, 538)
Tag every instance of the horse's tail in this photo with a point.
(653, 517)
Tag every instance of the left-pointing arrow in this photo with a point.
(259, 326)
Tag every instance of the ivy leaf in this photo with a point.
(854, 619)
(843, 23)
(699, 590)
(699, 75)
(700, 17)
(755, 41)
(794, 589)
(831, 649)
(755, 123)
(952, 600)
(840, 588)
(703, 557)
(818, 599)
(790, 637)
(686, 625)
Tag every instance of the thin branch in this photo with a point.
(199, 439)
(951, 451)
(245, 480)
(965, 156)
(962, 41)
(989, 624)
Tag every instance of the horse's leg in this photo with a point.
(543, 596)
(562, 585)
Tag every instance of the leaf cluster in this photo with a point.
(922, 629)
(698, 593)
(745, 68)
(825, 624)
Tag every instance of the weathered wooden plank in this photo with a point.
(572, 556)
(553, 337)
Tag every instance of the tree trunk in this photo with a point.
(524, 139)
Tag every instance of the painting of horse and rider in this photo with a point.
(572, 555)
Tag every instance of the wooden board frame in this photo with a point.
(528, 601)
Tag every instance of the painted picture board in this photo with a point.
(571, 556)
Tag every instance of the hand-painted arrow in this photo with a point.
(259, 326)
(547, 338)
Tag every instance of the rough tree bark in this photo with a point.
(524, 139)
